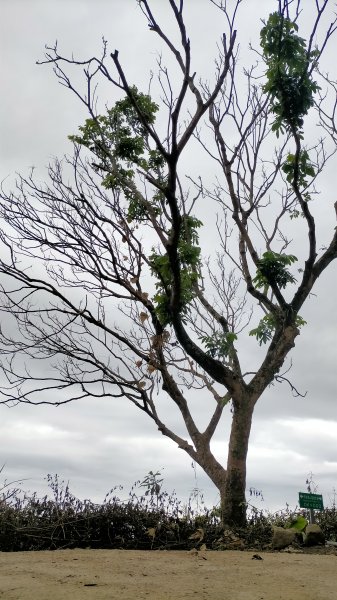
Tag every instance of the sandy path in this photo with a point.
(134, 575)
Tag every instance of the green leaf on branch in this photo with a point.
(265, 329)
(267, 325)
(189, 262)
(219, 345)
(289, 73)
(120, 142)
(294, 213)
(271, 270)
(298, 169)
(299, 321)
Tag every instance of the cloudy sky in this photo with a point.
(98, 444)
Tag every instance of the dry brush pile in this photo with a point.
(150, 518)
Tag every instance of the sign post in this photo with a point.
(312, 502)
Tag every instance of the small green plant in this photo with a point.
(299, 523)
(153, 483)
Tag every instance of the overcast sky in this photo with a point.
(98, 444)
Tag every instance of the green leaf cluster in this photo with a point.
(265, 329)
(294, 213)
(304, 169)
(189, 261)
(219, 345)
(289, 65)
(137, 210)
(119, 140)
(267, 325)
(271, 270)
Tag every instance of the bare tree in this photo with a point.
(104, 279)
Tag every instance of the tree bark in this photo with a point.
(233, 497)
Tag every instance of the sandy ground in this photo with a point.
(158, 575)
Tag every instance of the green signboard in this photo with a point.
(313, 501)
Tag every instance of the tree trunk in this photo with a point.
(233, 497)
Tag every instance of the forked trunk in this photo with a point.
(233, 497)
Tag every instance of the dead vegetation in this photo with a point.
(148, 519)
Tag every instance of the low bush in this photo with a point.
(150, 518)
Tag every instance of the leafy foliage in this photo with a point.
(301, 167)
(267, 325)
(298, 522)
(289, 68)
(272, 270)
(189, 259)
(291, 87)
(119, 140)
(219, 345)
(265, 329)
